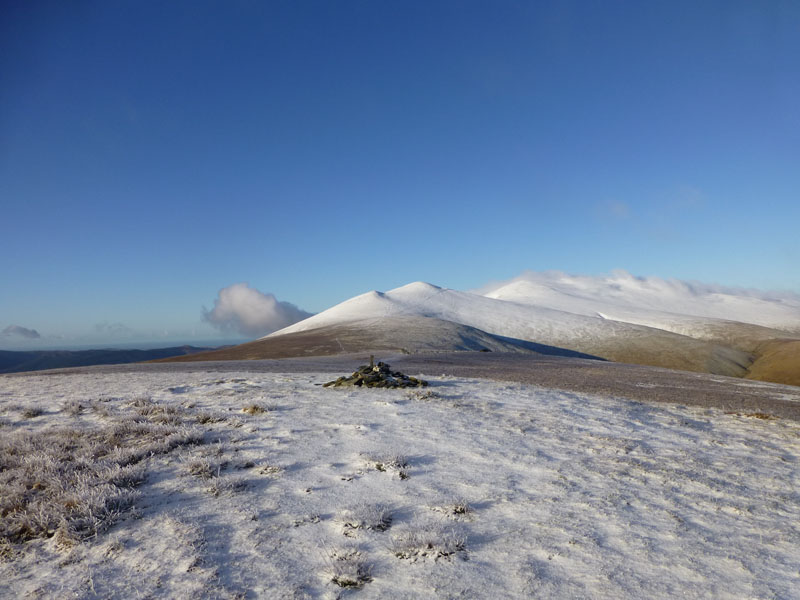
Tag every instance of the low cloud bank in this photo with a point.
(246, 310)
(622, 281)
(16, 330)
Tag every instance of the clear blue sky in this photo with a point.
(152, 153)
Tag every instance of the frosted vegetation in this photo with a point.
(240, 485)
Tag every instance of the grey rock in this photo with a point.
(377, 376)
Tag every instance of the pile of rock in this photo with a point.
(377, 376)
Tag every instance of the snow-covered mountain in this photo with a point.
(554, 303)
(502, 317)
(619, 317)
(667, 304)
(549, 306)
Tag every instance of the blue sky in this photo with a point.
(152, 154)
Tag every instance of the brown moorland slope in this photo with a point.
(744, 355)
(777, 361)
(407, 335)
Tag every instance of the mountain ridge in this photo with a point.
(17, 361)
(621, 318)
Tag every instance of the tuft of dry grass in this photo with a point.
(754, 415)
(235, 422)
(365, 516)
(424, 395)
(433, 541)
(347, 568)
(206, 418)
(157, 413)
(72, 407)
(203, 468)
(225, 486)
(270, 470)
(390, 462)
(141, 401)
(7, 551)
(32, 412)
(455, 509)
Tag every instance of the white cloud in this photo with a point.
(244, 309)
(11, 330)
(622, 279)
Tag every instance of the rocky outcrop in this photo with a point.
(377, 376)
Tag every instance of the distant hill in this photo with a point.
(622, 318)
(37, 360)
(407, 334)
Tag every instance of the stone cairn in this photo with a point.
(376, 376)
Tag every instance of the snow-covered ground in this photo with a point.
(466, 489)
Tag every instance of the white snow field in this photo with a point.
(464, 489)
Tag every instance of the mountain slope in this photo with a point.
(620, 318)
(777, 361)
(650, 301)
(500, 317)
(408, 334)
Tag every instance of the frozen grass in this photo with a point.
(207, 417)
(425, 395)
(270, 470)
(203, 468)
(159, 413)
(73, 407)
(454, 509)
(71, 483)
(32, 412)
(225, 486)
(235, 422)
(347, 568)
(390, 462)
(432, 540)
(7, 551)
(65, 480)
